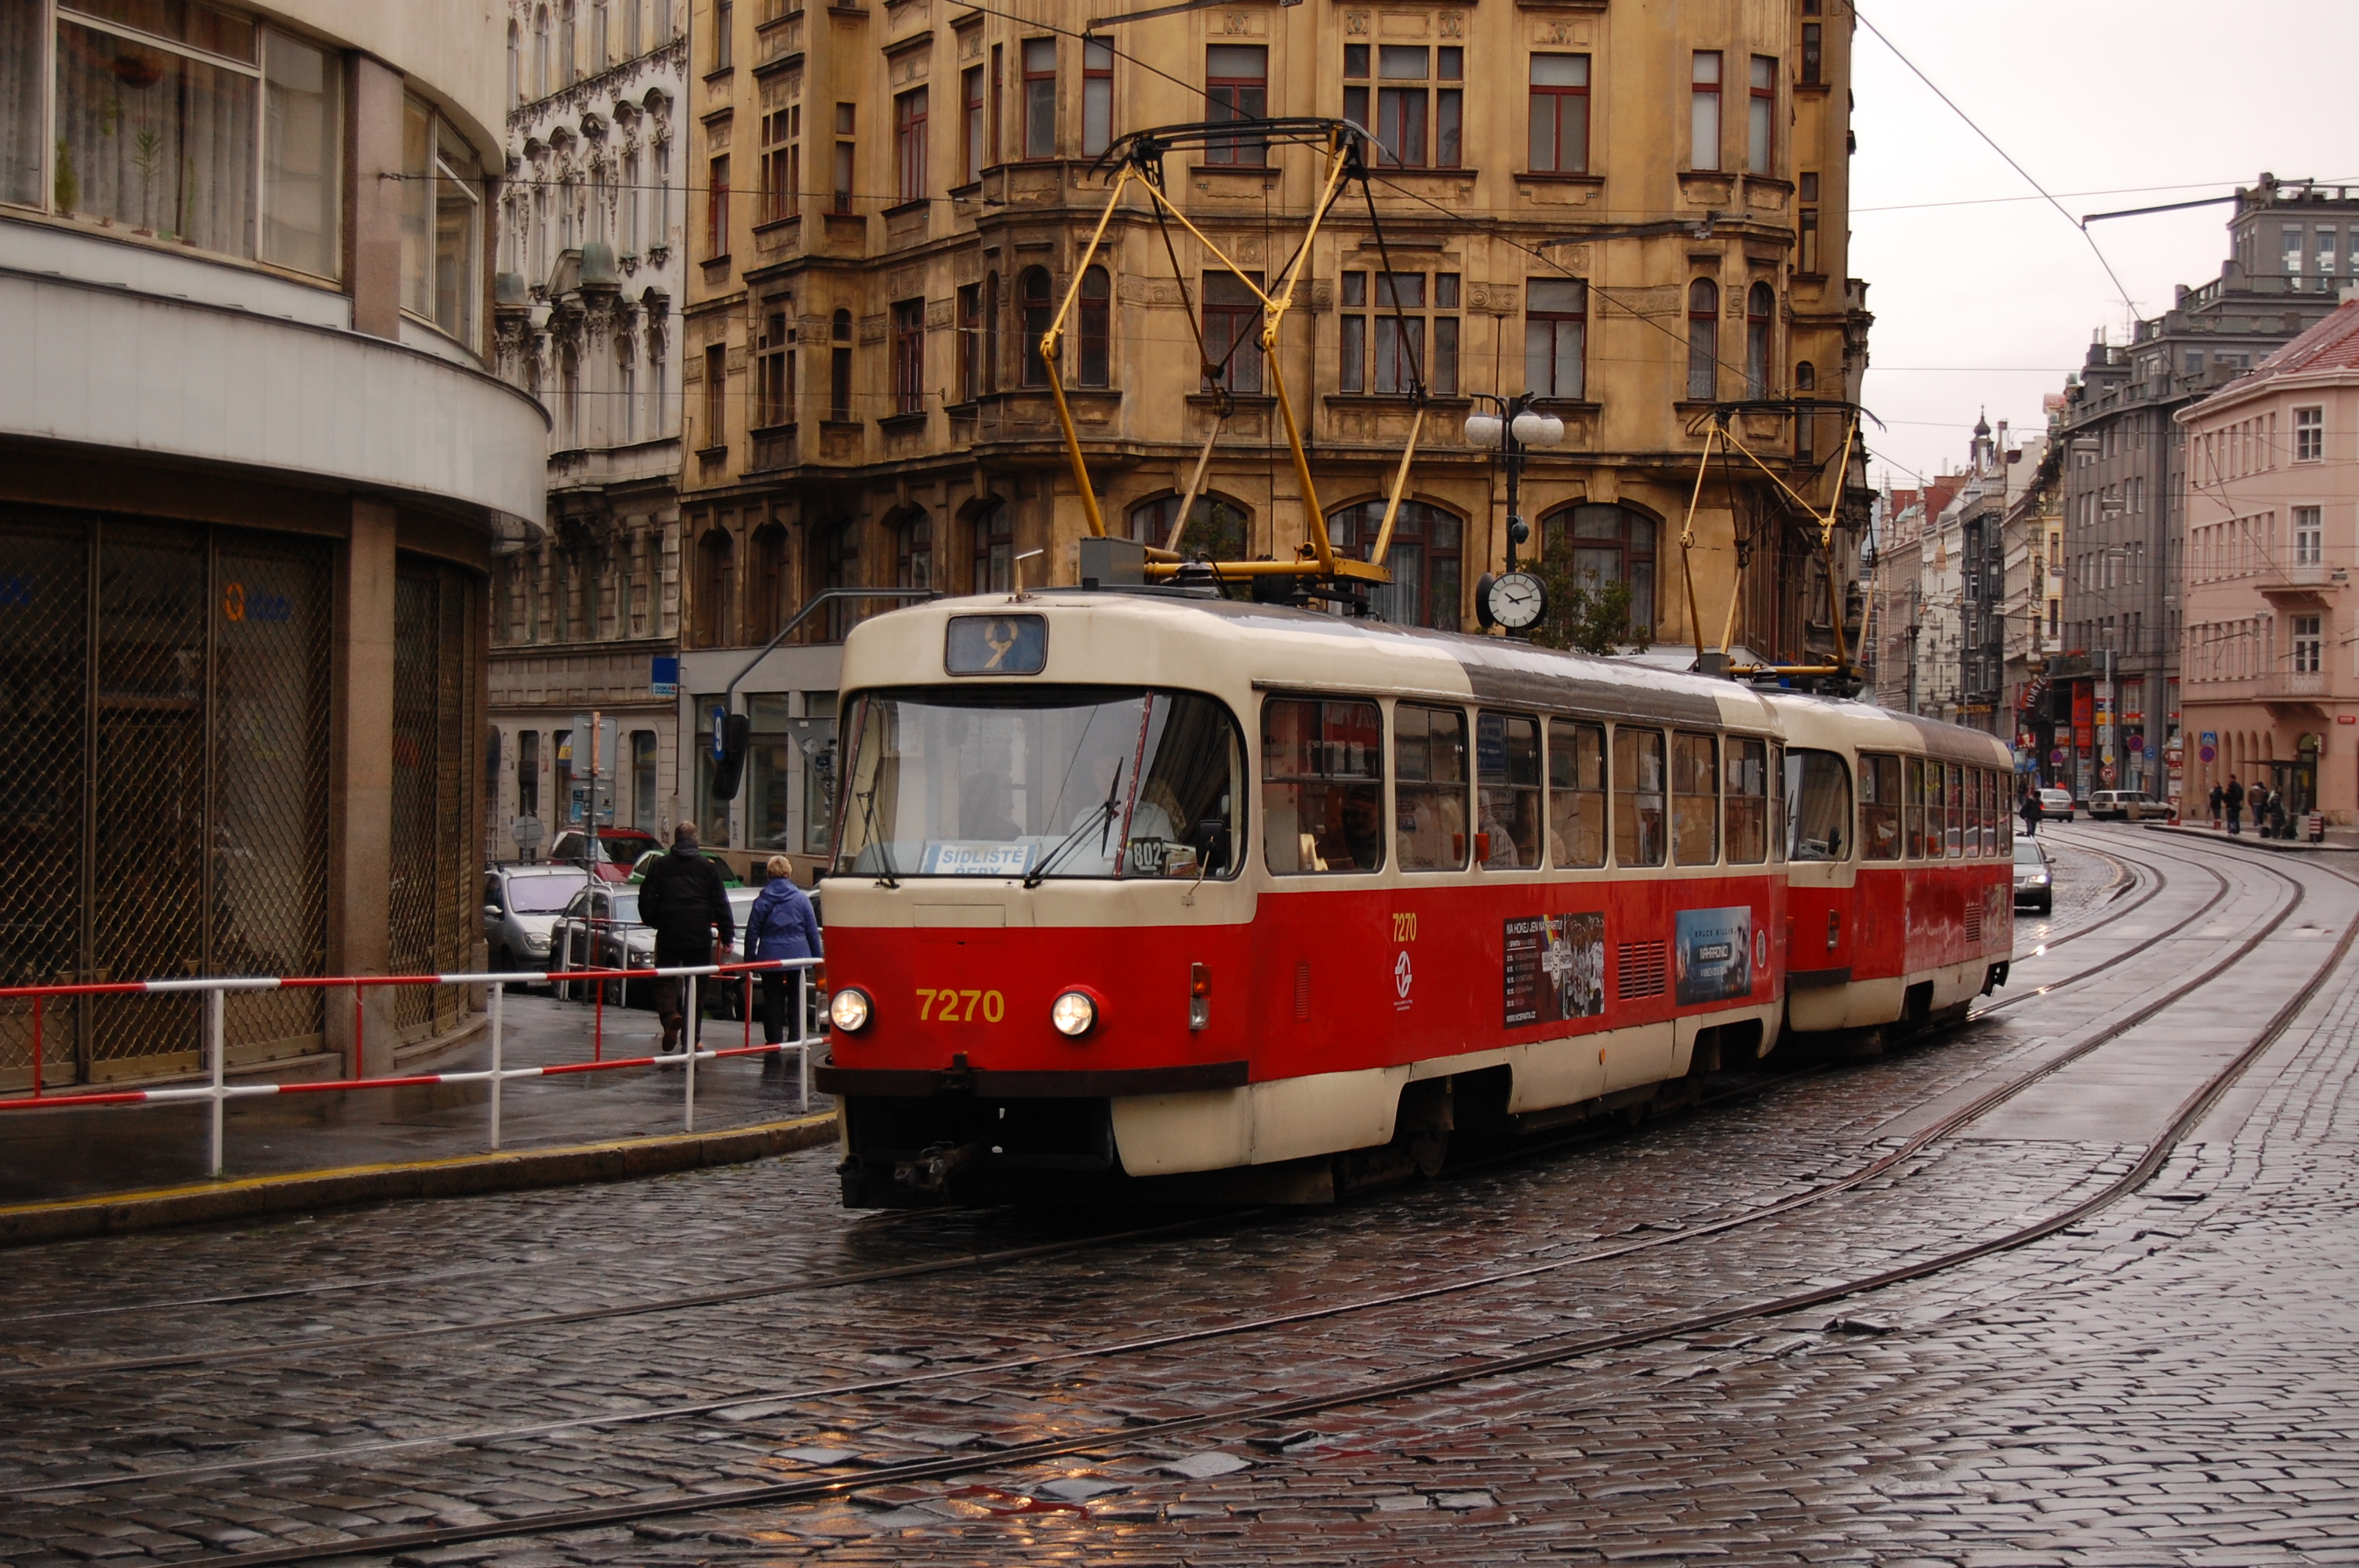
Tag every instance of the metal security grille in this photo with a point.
(435, 709)
(163, 784)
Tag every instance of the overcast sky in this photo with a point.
(2088, 95)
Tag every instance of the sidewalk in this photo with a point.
(80, 1171)
(2339, 841)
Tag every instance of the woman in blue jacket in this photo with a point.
(782, 925)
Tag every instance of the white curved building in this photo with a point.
(254, 469)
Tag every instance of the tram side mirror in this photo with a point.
(729, 754)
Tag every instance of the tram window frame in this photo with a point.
(1808, 760)
(1745, 800)
(1777, 802)
(1953, 812)
(2006, 799)
(1516, 787)
(1336, 718)
(1879, 791)
(1993, 811)
(1915, 804)
(1695, 828)
(1632, 744)
(1570, 831)
(1417, 844)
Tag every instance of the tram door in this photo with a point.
(1821, 857)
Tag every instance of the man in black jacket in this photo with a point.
(685, 901)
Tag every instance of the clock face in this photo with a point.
(1518, 600)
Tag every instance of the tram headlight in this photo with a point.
(848, 1010)
(1075, 1014)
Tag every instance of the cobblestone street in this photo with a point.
(2167, 1379)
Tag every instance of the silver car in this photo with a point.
(521, 904)
(2035, 881)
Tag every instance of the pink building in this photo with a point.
(2271, 518)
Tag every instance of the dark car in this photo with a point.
(609, 853)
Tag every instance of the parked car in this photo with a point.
(601, 930)
(2034, 880)
(2056, 804)
(646, 863)
(520, 905)
(2123, 806)
(609, 853)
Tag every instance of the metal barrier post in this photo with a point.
(216, 1048)
(803, 1035)
(598, 1023)
(499, 997)
(687, 1070)
(359, 1023)
(36, 1047)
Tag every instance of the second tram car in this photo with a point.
(1239, 900)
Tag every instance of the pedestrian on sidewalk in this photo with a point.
(782, 925)
(2236, 803)
(686, 902)
(2030, 809)
(2217, 795)
(2278, 813)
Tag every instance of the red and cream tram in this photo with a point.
(1245, 900)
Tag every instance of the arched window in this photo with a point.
(1218, 529)
(540, 77)
(1703, 341)
(913, 550)
(993, 565)
(1423, 558)
(1097, 328)
(836, 563)
(1596, 545)
(768, 611)
(1760, 309)
(568, 63)
(839, 367)
(1033, 291)
(1806, 376)
(715, 579)
(516, 63)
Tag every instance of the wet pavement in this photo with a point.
(2171, 1381)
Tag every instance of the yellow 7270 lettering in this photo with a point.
(959, 1006)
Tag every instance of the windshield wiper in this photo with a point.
(883, 845)
(1101, 816)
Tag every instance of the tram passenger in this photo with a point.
(1362, 830)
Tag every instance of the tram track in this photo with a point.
(749, 1405)
(2186, 1116)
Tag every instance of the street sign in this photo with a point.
(663, 674)
(2056, 757)
(2137, 742)
(2210, 737)
(2208, 753)
(2106, 772)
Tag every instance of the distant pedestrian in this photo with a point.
(2236, 803)
(2030, 809)
(2217, 796)
(684, 899)
(782, 925)
(2278, 813)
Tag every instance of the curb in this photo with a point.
(461, 1175)
(2274, 846)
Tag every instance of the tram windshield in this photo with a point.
(1040, 782)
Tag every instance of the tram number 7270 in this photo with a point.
(994, 1006)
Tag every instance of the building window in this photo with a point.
(1806, 260)
(716, 211)
(542, 80)
(1423, 558)
(767, 612)
(1555, 327)
(1761, 119)
(2308, 644)
(913, 551)
(1040, 98)
(1097, 328)
(442, 225)
(2309, 545)
(1703, 341)
(910, 145)
(1033, 286)
(716, 397)
(643, 773)
(971, 125)
(782, 163)
(630, 34)
(845, 118)
(516, 63)
(1760, 311)
(836, 563)
(2309, 435)
(993, 566)
(970, 341)
(1386, 352)
(716, 578)
(1559, 142)
(724, 34)
(1236, 86)
(1218, 529)
(568, 60)
(991, 315)
(909, 357)
(1600, 545)
(1703, 110)
(1232, 329)
(599, 60)
(1097, 96)
(1814, 54)
(839, 367)
(774, 393)
(1419, 106)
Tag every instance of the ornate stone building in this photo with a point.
(590, 266)
(1643, 221)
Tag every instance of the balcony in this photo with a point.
(2309, 580)
(2292, 686)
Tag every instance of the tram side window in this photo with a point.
(1924, 805)
(1955, 794)
(1695, 798)
(2008, 795)
(1776, 827)
(1879, 808)
(1638, 796)
(1817, 797)
(1747, 786)
(1576, 794)
(1507, 786)
(1429, 787)
(1323, 785)
(1993, 811)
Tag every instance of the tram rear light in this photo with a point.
(1834, 928)
(1200, 996)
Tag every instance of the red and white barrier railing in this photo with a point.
(219, 1091)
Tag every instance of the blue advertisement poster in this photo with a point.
(1715, 955)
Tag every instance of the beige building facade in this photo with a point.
(2271, 654)
(1639, 216)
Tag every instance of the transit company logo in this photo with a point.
(1402, 975)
